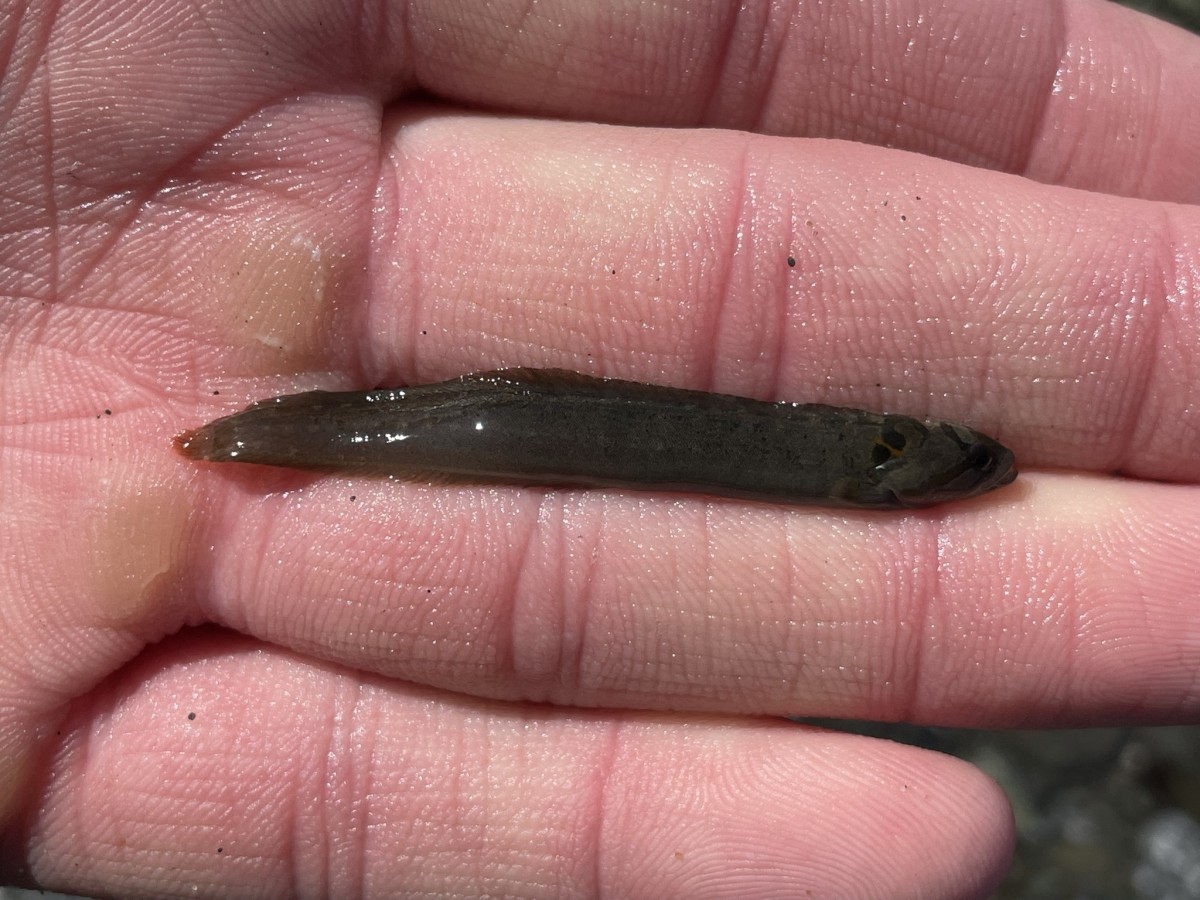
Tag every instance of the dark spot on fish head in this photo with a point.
(891, 441)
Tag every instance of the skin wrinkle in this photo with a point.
(1129, 539)
(586, 680)
(713, 330)
(909, 707)
(605, 766)
(1021, 624)
(1137, 46)
(53, 248)
(519, 598)
(204, 551)
(790, 659)
(356, 767)
(363, 795)
(1132, 343)
(474, 810)
(575, 616)
(1050, 121)
(704, 539)
(1157, 308)
(1071, 645)
(314, 838)
(17, 769)
(1152, 74)
(263, 555)
(572, 676)
(772, 70)
(415, 282)
(811, 585)
(294, 810)
(974, 144)
(721, 64)
(778, 326)
(19, 79)
(1038, 122)
(506, 601)
(889, 94)
(73, 286)
(799, 672)
(798, 245)
(370, 368)
(771, 329)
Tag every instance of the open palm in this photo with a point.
(229, 682)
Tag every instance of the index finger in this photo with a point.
(802, 271)
(1077, 93)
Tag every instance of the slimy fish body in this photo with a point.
(556, 428)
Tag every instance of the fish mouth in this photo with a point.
(987, 465)
(1000, 469)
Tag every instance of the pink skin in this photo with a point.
(422, 688)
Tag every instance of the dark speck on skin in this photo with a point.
(191, 717)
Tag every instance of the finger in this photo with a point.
(1085, 94)
(1068, 602)
(801, 271)
(236, 768)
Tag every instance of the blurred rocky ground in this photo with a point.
(1101, 813)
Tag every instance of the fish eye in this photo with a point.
(881, 453)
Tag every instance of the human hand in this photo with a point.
(253, 682)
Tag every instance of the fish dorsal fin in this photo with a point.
(306, 400)
(529, 375)
(566, 381)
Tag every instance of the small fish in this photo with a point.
(556, 428)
